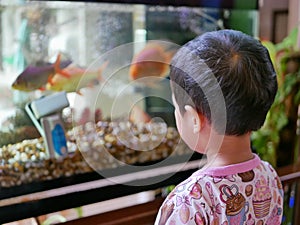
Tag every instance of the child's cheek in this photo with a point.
(178, 121)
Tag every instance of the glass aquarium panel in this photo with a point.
(87, 51)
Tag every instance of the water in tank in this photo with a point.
(111, 60)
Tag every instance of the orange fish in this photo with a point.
(152, 61)
(137, 115)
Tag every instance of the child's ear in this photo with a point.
(194, 116)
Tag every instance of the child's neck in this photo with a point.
(233, 150)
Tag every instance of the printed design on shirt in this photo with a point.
(221, 178)
(183, 202)
(215, 208)
(262, 198)
(276, 183)
(182, 186)
(275, 218)
(184, 211)
(199, 219)
(250, 220)
(166, 211)
(247, 176)
(249, 198)
(195, 191)
(172, 222)
(260, 222)
(270, 168)
(236, 205)
(203, 213)
(249, 190)
(261, 167)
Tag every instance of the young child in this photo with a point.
(223, 84)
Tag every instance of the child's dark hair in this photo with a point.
(243, 70)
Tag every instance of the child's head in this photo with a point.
(244, 72)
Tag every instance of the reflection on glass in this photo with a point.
(87, 49)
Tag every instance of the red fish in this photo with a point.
(152, 61)
(36, 77)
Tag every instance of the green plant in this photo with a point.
(18, 128)
(54, 219)
(20, 118)
(275, 141)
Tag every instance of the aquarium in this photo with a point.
(91, 52)
(85, 102)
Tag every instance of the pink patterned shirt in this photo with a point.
(248, 193)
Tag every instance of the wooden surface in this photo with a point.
(143, 214)
(289, 176)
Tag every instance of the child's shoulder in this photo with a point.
(208, 183)
(254, 195)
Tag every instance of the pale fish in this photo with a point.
(78, 78)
